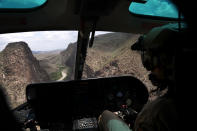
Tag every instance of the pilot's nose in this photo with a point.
(158, 73)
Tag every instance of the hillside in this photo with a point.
(50, 61)
(106, 47)
(58, 61)
(18, 67)
(68, 60)
(111, 55)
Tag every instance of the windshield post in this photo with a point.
(82, 44)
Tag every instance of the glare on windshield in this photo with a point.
(160, 8)
(20, 4)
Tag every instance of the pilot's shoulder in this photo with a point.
(158, 114)
(160, 104)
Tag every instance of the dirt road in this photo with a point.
(64, 74)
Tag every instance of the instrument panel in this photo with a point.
(65, 101)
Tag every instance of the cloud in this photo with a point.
(42, 40)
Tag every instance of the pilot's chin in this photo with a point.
(156, 82)
(154, 79)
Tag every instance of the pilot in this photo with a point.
(158, 56)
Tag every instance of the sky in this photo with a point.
(43, 40)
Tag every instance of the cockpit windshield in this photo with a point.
(47, 56)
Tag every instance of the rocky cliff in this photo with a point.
(18, 67)
(68, 57)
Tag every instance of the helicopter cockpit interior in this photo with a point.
(77, 104)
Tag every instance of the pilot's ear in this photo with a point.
(139, 44)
